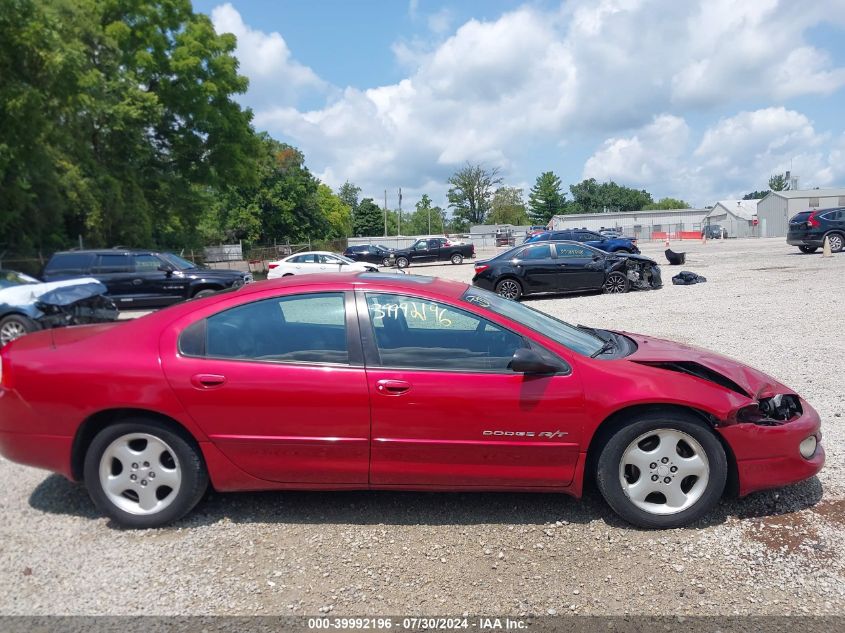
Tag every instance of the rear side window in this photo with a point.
(833, 215)
(300, 328)
(70, 263)
(117, 263)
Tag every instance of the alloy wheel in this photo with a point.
(140, 473)
(10, 331)
(835, 242)
(664, 471)
(509, 289)
(615, 283)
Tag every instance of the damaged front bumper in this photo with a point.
(772, 452)
(643, 274)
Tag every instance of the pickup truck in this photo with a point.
(432, 249)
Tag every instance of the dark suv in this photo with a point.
(590, 238)
(141, 278)
(808, 229)
(372, 253)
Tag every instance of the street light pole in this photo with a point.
(385, 212)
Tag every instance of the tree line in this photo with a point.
(119, 124)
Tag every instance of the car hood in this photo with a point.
(57, 293)
(680, 357)
(220, 273)
(641, 258)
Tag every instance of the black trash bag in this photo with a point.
(687, 278)
(675, 259)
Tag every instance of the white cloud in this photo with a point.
(732, 157)
(274, 76)
(534, 80)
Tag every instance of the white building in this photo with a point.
(639, 224)
(736, 217)
(777, 207)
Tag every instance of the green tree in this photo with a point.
(778, 182)
(348, 193)
(507, 207)
(336, 211)
(668, 203)
(425, 219)
(546, 200)
(470, 194)
(369, 219)
(117, 122)
(756, 195)
(589, 196)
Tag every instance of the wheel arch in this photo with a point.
(618, 419)
(838, 232)
(96, 422)
(206, 285)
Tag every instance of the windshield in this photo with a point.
(178, 262)
(576, 339)
(12, 278)
(346, 259)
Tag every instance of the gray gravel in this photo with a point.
(390, 553)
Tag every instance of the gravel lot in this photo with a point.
(777, 552)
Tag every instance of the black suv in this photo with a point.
(808, 229)
(143, 279)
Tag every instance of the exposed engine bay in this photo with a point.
(643, 273)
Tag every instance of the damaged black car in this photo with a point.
(565, 266)
(27, 305)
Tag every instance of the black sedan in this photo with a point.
(564, 267)
(372, 253)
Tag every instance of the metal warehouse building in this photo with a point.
(776, 208)
(735, 216)
(639, 224)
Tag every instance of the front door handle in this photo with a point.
(208, 381)
(392, 387)
(137, 282)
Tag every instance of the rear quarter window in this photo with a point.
(69, 263)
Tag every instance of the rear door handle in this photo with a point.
(392, 387)
(208, 381)
(137, 282)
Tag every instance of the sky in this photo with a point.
(697, 100)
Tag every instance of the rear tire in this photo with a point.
(142, 474)
(15, 326)
(385, 261)
(616, 283)
(457, 258)
(635, 470)
(509, 288)
(836, 241)
(807, 250)
(402, 262)
(207, 292)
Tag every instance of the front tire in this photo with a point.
(509, 289)
(457, 258)
(616, 283)
(402, 262)
(808, 250)
(15, 326)
(142, 474)
(662, 470)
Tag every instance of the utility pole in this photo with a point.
(385, 212)
(399, 227)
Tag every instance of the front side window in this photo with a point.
(300, 328)
(422, 334)
(571, 250)
(147, 263)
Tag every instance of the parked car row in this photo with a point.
(564, 266)
(590, 238)
(380, 381)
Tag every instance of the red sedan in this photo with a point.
(392, 382)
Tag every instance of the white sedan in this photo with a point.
(315, 262)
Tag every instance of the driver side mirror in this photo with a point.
(166, 269)
(527, 361)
